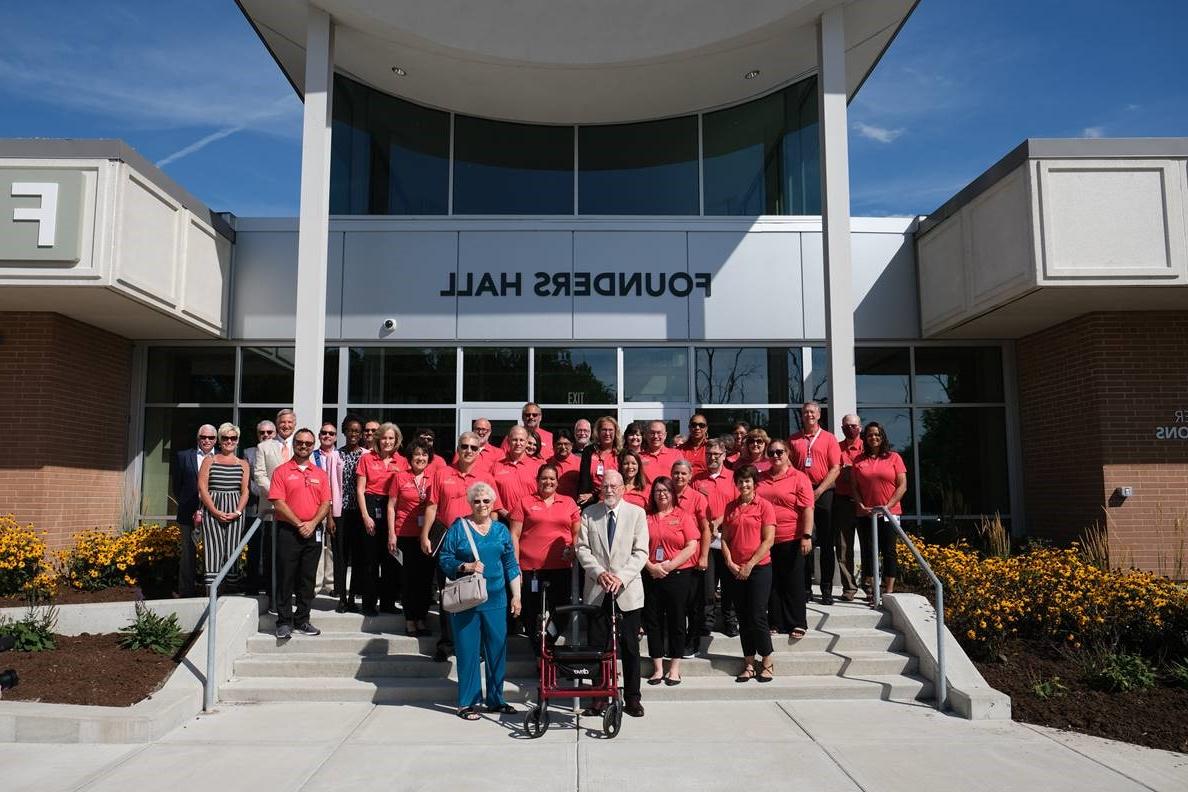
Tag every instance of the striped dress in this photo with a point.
(220, 538)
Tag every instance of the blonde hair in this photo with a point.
(225, 428)
(384, 428)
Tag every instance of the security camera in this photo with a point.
(389, 324)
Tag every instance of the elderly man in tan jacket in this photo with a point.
(612, 547)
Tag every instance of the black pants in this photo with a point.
(445, 643)
(297, 567)
(666, 603)
(389, 578)
(340, 548)
(629, 622)
(717, 580)
(842, 520)
(694, 609)
(259, 560)
(823, 541)
(418, 578)
(534, 586)
(786, 609)
(888, 565)
(187, 555)
(368, 554)
(751, 598)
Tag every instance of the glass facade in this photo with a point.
(392, 157)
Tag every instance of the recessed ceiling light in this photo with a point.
(752, 74)
(399, 72)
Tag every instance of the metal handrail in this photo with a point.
(210, 687)
(942, 681)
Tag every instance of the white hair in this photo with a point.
(479, 489)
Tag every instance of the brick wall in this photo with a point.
(64, 404)
(1093, 392)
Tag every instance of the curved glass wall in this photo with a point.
(392, 157)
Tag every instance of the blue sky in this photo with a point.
(189, 85)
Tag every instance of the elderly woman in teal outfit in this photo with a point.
(484, 626)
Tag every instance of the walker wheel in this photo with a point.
(536, 721)
(612, 719)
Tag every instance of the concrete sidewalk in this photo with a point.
(809, 745)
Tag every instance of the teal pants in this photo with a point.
(487, 629)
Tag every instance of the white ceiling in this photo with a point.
(577, 61)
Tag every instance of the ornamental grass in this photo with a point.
(1054, 595)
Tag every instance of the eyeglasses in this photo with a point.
(776, 452)
(697, 424)
(851, 426)
(370, 429)
(481, 501)
(467, 447)
(303, 443)
(206, 437)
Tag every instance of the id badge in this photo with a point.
(318, 534)
(808, 459)
(659, 553)
(420, 521)
(535, 585)
(600, 469)
(398, 554)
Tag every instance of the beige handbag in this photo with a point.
(468, 591)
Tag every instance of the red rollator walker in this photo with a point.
(580, 645)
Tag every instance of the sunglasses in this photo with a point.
(206, 437)
(776, 452)
(756, 441)
(303, 443)
(532, 415)
(697, 425)
(232, 438)
(468, 447)
(482, 501)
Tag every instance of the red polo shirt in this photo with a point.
(849, 453)
(514, 479)
(601, 462)
(379, 472)
(546, 443)
(696, 457)
(814, 455)
(718, 490)
(547, 529)
(742, 528)
(761, 465)
(788, 493)
(659, 463)
(670, 534)
(641, 498)
(448, 492)
(410, 499)
(874, 480)
(567, 474)
(303, 490)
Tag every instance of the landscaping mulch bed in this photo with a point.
(1156, 717)
(69, 596)
(89, 669)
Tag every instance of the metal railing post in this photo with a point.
(875, 579)
(210, 687)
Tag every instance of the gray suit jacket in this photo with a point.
(626, 558)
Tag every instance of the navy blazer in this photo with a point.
(185, 483)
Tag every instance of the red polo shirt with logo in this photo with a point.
(303, 490)
(448, 492)
(718, 490)
(788, 494)
(814, 455)
(742, 528)
(659, 463)
(849, 453)
(514, 479)
(670, 534)
(379, 472)
(696, 457)
(567, 474)
(546, 530)
(410, 499)
(874, 480)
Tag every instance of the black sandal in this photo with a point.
(503, 709)
(469, 713)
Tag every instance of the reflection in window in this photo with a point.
(963, 460)
(185, 375)
(778, 421)
(503, 168)
(495, 374)
(388, 156)
(882, 375)
(958, 374)
(168, 430)
(762, 157)
(267, 375)
(817, 382)
(639, 169)
(576, 376)
(386, 375)
(897, 424)
(659, 374)
(748, 375)
(564, 418)
(440, 420)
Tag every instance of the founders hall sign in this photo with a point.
(577, 284)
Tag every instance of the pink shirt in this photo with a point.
(814, 455)
(874, 480)
(789, 494)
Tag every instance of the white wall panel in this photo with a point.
(264, 289)
(941, 265)
(399, 275)
(510, 259)
(1000, 252)
(149, 246)
(207, 267)
(756, 281)
(812, 257)
(646, 252)
(885, 304)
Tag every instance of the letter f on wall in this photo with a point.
(45, 215)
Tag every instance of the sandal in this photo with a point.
(797, 633)
(748, 673)
(468, 713)
(765, 675)
(502, 709)
(656, 680)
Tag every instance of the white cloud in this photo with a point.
(1092, 132)
(880, 134)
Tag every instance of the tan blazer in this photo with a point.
(625, 559)
(268, 459)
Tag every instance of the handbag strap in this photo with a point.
(470, 538)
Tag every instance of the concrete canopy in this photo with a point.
(569, 62)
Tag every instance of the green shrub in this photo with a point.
(35, 631)
(1118, 672)
(1045, 689)
(161, 634)
(1177, 672)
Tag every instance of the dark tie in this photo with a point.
(610, 529)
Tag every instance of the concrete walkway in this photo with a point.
(808, 745)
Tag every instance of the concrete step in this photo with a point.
(840, 639)
(399, 691)
(327, 665)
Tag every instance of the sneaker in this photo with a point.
(283, 632)
(308, 629)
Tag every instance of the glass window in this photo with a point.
(268, 375)
(168, 430)
(817, 381)
(882, 375)
(639, 169)
(897, 423)
(388, 156)
(778, 421)
(391, 375)
(963, 460)
(184, 375)
(748, 375)
(503, 168)
(495, 374)
(576, 376)
(440, 420)
(958, 374)
(761, 157)
(655, 374)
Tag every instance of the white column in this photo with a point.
(313, 226)
(835, 209)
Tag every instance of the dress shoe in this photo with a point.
(731, 631)
(341, 607)
(826, 599)
(634, 709)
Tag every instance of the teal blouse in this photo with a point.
(496, 552)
